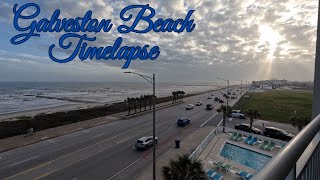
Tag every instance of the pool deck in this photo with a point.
(212, 153)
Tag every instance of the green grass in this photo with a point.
(278, 105)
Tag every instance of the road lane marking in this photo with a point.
(124, 169)
(97, 135)
(52, 141)
(44, 175)
(23, 161)
(220, 122)
(75, 152)
(209, 119)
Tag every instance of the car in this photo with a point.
(237, 114)
(183, 121)
(210, 97)
(233, 97)
(209, 107)
(221, 101)
(216, 99)
(145, 142)
(234, 93)
(229, 93)
(246, 128)
(277, 133)
(189, 107)
(199, 103)
(224, 95)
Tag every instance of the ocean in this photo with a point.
(22, 96)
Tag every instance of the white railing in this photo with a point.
(205, 142)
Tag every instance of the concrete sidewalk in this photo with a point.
(187, 146)
(22, 140)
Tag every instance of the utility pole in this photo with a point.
(151, 80)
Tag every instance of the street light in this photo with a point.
(151, 80)
(224, 118)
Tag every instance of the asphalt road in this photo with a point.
(106, 151)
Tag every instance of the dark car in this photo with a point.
(277, 133)
(221, 101)
(246, 128)
(183, 121)
(209, 107)
(216, 99)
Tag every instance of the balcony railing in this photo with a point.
(299, 159)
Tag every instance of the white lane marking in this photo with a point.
(135, 135)
(230, 119)
(220, 122)
(52, 141)
(97, 135)
(124, 169)
(209, 119)
(74, 178)
(23, 161)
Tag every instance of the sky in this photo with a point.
(233, 39)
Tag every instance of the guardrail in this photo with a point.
(299, 159)
(195, 154)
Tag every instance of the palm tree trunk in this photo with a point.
(251, 122)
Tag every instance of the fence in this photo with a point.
(205, 142)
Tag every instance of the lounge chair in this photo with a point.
(216, 176)
(238, 137)
(234, 134)
(264, 144)
(270, 146)
(226, 166)
(253, 141)
(219, 164)
(244, 175)
(249, 138)
(209, 173)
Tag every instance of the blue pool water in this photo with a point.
(246, 157)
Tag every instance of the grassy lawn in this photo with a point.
(278, 105)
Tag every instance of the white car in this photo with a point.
(145, 142)
(189, 107)
(237, 114)
(199, 103)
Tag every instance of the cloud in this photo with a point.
(227, 41)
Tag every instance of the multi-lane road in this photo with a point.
(107, 151)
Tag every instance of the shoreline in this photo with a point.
(13, 116)
(44, 121)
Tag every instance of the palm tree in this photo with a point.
(150, 100)
(129, 104)
(253, 114)
(135, 104)
(225, 110)
(175, 96)
(299, 121)
(145, 102)
(183, 169)
(140, 102)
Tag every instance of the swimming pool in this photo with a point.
(246, 157)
